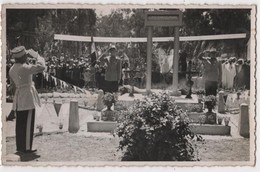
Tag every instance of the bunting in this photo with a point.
(75, 89)
(62, 83)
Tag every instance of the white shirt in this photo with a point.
(231, 73)
(26, 96)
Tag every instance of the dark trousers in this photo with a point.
(211, 88)
(111, 86)
(24, 129)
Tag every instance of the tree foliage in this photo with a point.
(37, 26)
(130, 23)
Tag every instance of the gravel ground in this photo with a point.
(225, 149)
(82, 147)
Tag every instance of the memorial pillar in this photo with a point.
(221, 102)
(176, 60)
(243, 125)
(149, 60)
(73, 117)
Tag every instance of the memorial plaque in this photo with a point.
(163, 18)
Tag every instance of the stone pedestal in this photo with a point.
(74, 117)
(108, 115)
(243, 124)
(208, 129)
(221, 102)
(185, 103)
(101, 126)
(175, 93)
(211, 118)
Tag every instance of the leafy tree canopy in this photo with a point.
(36, 28)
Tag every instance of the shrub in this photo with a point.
(109, 99)
(156, 130)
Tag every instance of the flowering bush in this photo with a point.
(109, 99)
(156, 129)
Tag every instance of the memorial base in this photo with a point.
(175, 93)
(102, 126)
(207, 129)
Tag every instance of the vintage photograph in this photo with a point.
(95, 85)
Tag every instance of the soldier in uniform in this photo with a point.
(26, 97)
(113, 68)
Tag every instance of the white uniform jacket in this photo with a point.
(26, 96)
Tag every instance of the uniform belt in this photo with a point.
(25, 85)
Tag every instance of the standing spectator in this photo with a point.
(63, 71)
(98, 74)
(138, 76)
(69, 72)
(58, 69)
(86, 76)
(62, 57)
(113, 70)
(212, 71)
(26, 96)
(183, 65)
(76, 74)
(52, 72)
(125, 74)
(81, 71)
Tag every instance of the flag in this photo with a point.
(53, 78)
(75, 88)
(93, 55)
(57, 107)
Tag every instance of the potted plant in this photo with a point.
(39, 127)
(210, 102)
(108, 100)
(220, 119)
(60, 126)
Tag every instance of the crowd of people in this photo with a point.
(110, 70)
(105, 72)
(224, 73)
